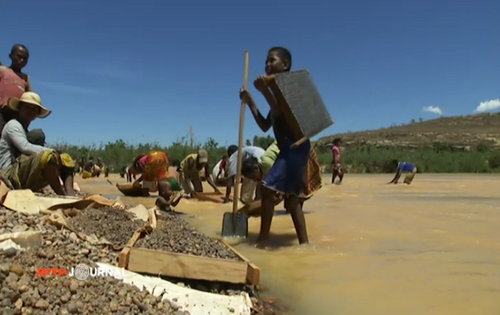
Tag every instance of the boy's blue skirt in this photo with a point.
(287, 174)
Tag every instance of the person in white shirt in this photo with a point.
(250, 190)
(24, 165)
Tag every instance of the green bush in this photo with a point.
(494, 161)
(438, 159)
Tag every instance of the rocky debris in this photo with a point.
(52, 194)
(12, 221)
(263, 307)
(173, 234)
(24, 292)
(115, 225)
(222, 288)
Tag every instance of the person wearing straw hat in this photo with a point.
(190, 173)
(24, 165)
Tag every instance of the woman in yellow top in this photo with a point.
(190, 173)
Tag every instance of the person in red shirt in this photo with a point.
(337, 166)
(222, 165)
(230, 150)
(13, 81)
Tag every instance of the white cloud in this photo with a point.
(488, 106)
(433, 109)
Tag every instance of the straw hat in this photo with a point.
(30, 98)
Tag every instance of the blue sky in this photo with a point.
(147, 70)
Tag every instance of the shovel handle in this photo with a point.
(299, 142)
(240, 142)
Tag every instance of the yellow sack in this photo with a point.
(86, 175)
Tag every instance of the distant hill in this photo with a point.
(460, 132)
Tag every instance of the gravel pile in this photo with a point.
(23, 292)
(173, 234)
(116, 226)
(11, 221)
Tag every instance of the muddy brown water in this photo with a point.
(429, 248)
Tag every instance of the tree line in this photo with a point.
(440, 158)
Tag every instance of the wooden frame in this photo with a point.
(287, 112)
(170, 264)
(285, 109)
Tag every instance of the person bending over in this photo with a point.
(189, 173)
(403, 167)
(152, 167)
(249, 190)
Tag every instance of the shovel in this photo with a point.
(235, 224)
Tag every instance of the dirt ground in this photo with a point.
(428, 248)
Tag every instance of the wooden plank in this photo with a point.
(123, 258)
(186, 266)
(253, 272)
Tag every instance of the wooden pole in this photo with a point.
(236, 194)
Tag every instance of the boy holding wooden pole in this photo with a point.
(287, 174)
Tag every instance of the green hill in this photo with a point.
(459, 132)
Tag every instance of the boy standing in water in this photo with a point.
(404, 167)
(337, 167)
(286, 176)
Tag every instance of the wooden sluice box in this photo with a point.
(169, 264)
(301, 104)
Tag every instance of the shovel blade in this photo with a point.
(241, 229)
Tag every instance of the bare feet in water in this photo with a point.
(261, 244)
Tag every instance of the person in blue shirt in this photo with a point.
(404, 167)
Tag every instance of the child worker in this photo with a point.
(337, 166)
(168, 194)
(286, 176)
